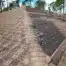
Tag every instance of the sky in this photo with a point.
(49, 1)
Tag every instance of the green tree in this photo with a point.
(53, 6)
(58, 5)
(59, 2)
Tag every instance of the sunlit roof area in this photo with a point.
(50, 1)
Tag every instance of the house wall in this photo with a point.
(6, 3)
(65, 6)
(65, 2)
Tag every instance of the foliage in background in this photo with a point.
(58, 5)
(53, 6)
(41, 4)
(59, 2)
